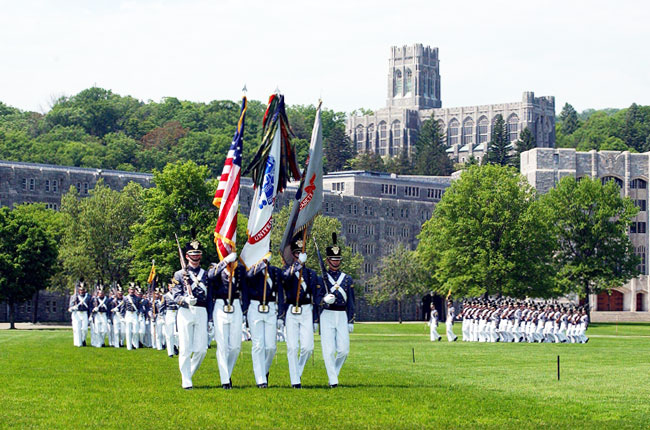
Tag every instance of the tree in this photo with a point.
(338, 150)
(590, 224)
(487, 236)
(569, 119)
(399, 278)
(27, 255)
(499, 147)
(430, 155)
(525, 143)
(95, 243)
(401, 164)
(322, 230)
(369, 161)
(181, 203)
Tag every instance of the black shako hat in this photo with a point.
(333, 252)
(193, 247)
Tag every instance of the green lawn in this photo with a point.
(604, 384)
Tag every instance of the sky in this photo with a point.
(591, 54)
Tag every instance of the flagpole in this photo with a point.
(304, 235)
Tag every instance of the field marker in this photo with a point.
(413, 354)
(558, 367)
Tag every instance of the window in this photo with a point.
(24, 183)
(390, 212)
(353, 228)
(47, 185)
(405, 232)
(338, 186)
(404, 213)
(452, 132)
(370, 229)
(368, 210)
(409, 82)
(468, 132)
(397, 84)
(434, 193)
(425, 84)
(638, 184)
(355, 248)
(606, 179)
(32, 184)
(641, 227)
(371, 137)
(513, 128)
(78, 186)
(397, 134)
(55, 186)
(389, 189)
(360, 138)
(641, 204)
(47, 306)
(412, 191)
(383, 138)
(367, 268)
(482, 130)
(390, 231)
(369, 249)
(640, 252)
(85, 187)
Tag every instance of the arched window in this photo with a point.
(425, 84)
(370, 146)
(468, 131)
(606, 179)
(360, 138)
(397, 134)
(409, 82)
(431, 92)
(397, 84)
(452, 132)
(513, 128)
(383, 138)
(482, 130)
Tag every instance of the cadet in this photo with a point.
(297, 312)
(260, 297)
(449, 322)
(226, 283)
(171, 309)
(158, 321)
(101, 305)
(118, 310)
(80, 307)
(192, 295)
(433, 324)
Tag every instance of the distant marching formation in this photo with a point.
(514, 321)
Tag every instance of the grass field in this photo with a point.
(47, 383)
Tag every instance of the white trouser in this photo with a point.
(227, 334)
(110, 330)
(516, 330)
(562, 332)
(263, 328)
(159, 335)
(335, 342)
(433, 330)
(118, 329)
(493, 331)
(510, 331)
(101, 328)
(171, 336)
(450, 330)
(131, 329)
(79, 327)
(465, 327)
(473, 331)
(192, 341)
(300, 337)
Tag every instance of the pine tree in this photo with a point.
(526, 142)
(498, 151)
(632, 134)
(338, 150)
(569, 119)
(430, 157)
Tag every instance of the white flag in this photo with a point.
(259, 221)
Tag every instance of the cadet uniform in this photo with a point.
(260, 296)
(80, 307)
(336, 299)
(433, 324)
(297, 313)
(131, 306)
(117, 312)
(449, 322)
(158, 321)
(227, 314)
(171, 309)
(101, 306)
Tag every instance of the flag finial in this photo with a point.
(244, 90)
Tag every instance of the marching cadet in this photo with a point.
(171, 309)
(433, 324)
(143, 318)
(449, 322)
(131, 306)
(260, 296)
(192, 295)
(158, 321)
(80, 307)
(117, 311)
(336, 300)
(226, 279)
(297, 312)
(101, 305)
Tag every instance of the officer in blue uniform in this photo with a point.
(131, 306)
(336, 299)
(226, 282)
(260, 297)
(298, 313)
(171, 309)
(192, 294)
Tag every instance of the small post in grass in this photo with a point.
(413, 349)
(558, 367)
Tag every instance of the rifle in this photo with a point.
(320, 259)
(183, 267)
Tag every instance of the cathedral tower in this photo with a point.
(414, 77)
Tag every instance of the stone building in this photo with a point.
(376, 210)
(544, 167)
(414, 97)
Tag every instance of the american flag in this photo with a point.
(226, 198)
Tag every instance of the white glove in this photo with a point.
(190, 300)
(230, 258)
(329, 299)
(315, 327)
(280, 324)
(95, 309)
(350, 328)
(210, 329)
(302, 257)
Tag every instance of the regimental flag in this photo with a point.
(226, 198)
(151, 280)
(309, 197)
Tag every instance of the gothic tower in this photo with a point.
(414, 77)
